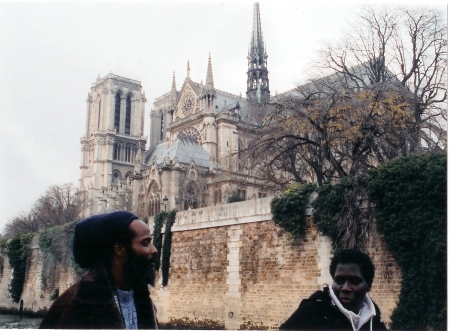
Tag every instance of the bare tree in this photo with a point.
(125, 198)
(60, 204)
(312, 136)
(373, 95)
(408, 45)
(24, 222)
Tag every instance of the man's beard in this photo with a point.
(138, 270)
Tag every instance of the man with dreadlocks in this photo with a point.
(117, 250)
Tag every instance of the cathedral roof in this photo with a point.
(185, 150)
(155, 152)
(231, 100)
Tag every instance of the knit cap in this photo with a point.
(95, 236)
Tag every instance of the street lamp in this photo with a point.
(165, 200)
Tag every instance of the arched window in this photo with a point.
(128, 153)
(116, 176)
(117, 112)
(162, 127)
(239, 148)
(190, 196)
(128, 177)
(99, 107)
(128, 115)
(116, 151)
(154, 200)
(151, 208)
(217, 197)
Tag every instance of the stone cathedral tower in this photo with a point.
(197, 135)
(257, 74)
(114, 141)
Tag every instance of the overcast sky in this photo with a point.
(51, 53)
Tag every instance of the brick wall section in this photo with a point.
(276, 274)
(234, 271)
(387, 284)
(198, 275)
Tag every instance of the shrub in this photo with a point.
(3, 245)
(340, 215)
(326, 206)
(288, 210)
(18, 251)
(411, 210)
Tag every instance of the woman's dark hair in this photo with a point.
(354, 256)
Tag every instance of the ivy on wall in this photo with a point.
(3, 245)
(18, 251)
(3, 248)
(411, 212)
(288, 209)
(56, 249)
(164, 248)
(157, 237)
(326, 206)
(167, 246)
(2, 263)
(339, 212)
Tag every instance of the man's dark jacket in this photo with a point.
(89, 304)
(318, 313)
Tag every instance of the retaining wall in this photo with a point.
(230, 268)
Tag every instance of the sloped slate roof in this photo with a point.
(185, 150)
(155, 152)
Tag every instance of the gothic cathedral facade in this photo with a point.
(194, 156)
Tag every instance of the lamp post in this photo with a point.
(165, 200)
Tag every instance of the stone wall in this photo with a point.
(231, 268)
(40, 282)
(5, 300)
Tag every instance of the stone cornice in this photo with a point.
(187, 122)
(249, 211)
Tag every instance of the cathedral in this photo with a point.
(197, 134)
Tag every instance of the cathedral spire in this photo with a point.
(257, 74)
(209, 84)
(208, 92)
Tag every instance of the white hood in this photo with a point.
(366, 312)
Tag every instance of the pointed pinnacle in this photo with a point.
(188, 70)
(173, 81)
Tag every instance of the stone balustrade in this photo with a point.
(248, 211)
